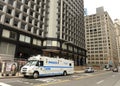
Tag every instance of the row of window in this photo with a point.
(24, 38)
(72, 31)
(96, 52)
(29, 3)
(97, 62)
(98, 55)
(98, 58)
(24, 17)
(20, 24)
(16, 12)
(35, 20)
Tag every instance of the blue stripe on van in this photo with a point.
(57, 67)
(50, 74)
(52, 62)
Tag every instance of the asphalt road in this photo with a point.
(103, 79)
(108, 78)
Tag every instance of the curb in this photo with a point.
(10, 76)
(5, 77)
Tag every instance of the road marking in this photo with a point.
(75, 76)
(118, 83)
(51, 83)
(3, 84)
(87, 74)
(113, 75)
(81, 77)
(48, 80)
(100, 82)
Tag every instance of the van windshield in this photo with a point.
(31, 63)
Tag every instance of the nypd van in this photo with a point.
(47, 66)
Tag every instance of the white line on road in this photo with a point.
(3, 84)
(113, 75)
(100, 82)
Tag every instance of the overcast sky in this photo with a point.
(111, 6)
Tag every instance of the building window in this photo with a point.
(26, 2)
(11, 2)
(1, 7)
(16, 23)
(17, 13)
(27, 39)
(54, 43)
(36, 42)
(44, 43)
(18, 5)
(9, 10)
(7, 20)
(7, 49)
(6, 33)
(49, 43)
(25, 10)
(9, 34)
(64, 46)
(13, 35)
(70, 48)
(23, 25)
(24, 38)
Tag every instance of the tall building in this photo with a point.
(100, 39)
(117, 31)
(85, 12)
(46, 27)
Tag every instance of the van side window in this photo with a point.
(41, 63)
(37, 64)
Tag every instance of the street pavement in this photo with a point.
(20, 75)
(79, 78)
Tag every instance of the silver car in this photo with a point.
(89, 70)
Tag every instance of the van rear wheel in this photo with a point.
(35, 75)
(64, 73)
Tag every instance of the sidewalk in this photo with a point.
(10, 76)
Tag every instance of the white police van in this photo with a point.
(47, 66)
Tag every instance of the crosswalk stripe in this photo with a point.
(4, 84)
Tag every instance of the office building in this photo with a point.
(46, 27)
(117, 31)
(100, 39)
(85, 12)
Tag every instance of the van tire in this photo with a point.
(64, 73)
(35, 75)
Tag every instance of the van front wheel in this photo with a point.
(35, 75)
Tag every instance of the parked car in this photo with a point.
(107, 69)
(89, 70)
(115, 70)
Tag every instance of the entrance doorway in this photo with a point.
(23, 52)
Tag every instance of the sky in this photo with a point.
(111, 6)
